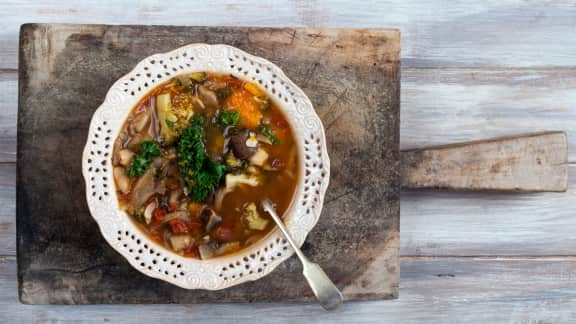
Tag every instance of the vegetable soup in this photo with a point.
(195, 158)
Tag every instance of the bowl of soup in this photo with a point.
(183, 151)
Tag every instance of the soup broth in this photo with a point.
(195, 158)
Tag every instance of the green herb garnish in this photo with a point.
(268, 132)
(142, 161)
(169, 123)
(150, 148)
(230, 117)
(200, 174)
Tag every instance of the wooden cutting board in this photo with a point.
(352, 78)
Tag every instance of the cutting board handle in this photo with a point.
(532, 162)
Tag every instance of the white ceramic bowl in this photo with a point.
(152, 259)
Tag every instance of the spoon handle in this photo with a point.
(326, 292)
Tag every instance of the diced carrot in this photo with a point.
(249, 109)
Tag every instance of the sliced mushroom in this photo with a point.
(134, 142)
(206, 251)
(118, 144)
(145, 187)
(239, 147)
(174, 196)
(180, 242)
(208, 97)
(179, 214)
(263, 139)
(211, 219)
(149, 211)
(125, 157)
(122, 180)
(251, 141)
(140, 122)
(198, 104)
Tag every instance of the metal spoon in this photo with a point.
(326, 292)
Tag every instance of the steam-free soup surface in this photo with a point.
(196, 157)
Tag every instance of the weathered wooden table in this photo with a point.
(468, 72)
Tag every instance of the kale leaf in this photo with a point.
(268, 132)
(141, 162)
(199, 172)
(230, 117)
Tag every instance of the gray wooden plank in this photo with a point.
(444, 106)
(7, 210)
(8, 109)
(438, 106)
(435, 290)
(435, 33)
(437, 223)
(455, 105)
(533, 162)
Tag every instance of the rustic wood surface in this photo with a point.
(470, 71)
(66, 261)
(531, 162)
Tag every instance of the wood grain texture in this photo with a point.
(438, 106)
(435, 290)
(65, 71)
(8, 108)
(533, 162)
(439, 223)
(7, 210)
(435, 33)
(446, 106)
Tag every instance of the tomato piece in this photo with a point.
(156, 236)
(278, 164)
(173, 206)
(191, 252)
(224, 233)
(178, 226)
(234, 83)
(194, 224)
(158, 216)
